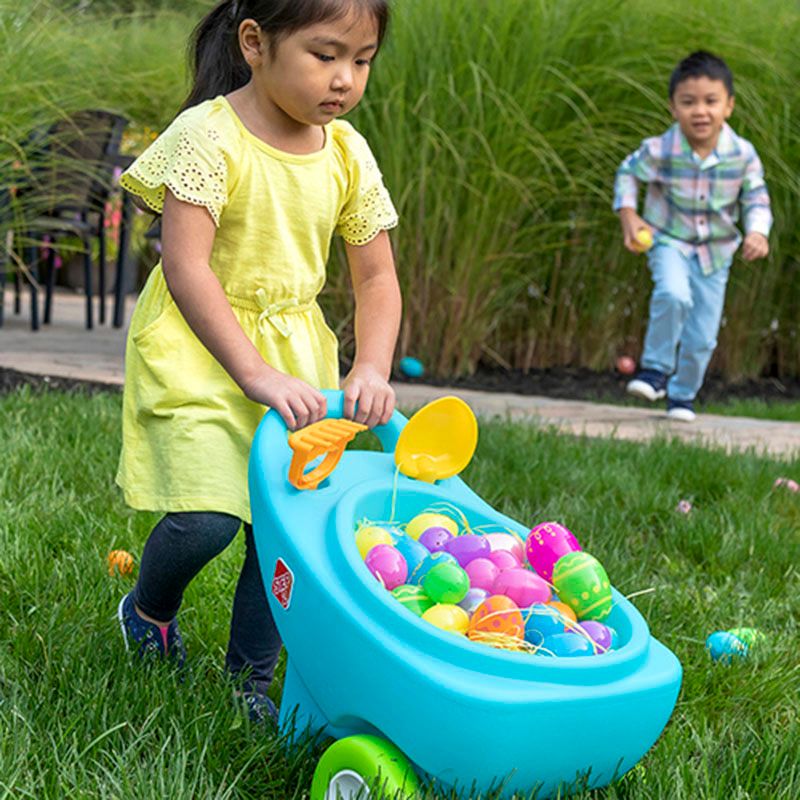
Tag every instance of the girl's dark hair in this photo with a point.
(217, 64)
(701, 64)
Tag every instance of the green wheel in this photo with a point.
(363, 768)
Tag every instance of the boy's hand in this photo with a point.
(632, 223)
(756, 245)
(366, 387)
(298, 403)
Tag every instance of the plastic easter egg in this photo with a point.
(643, 240)
(541, 621)
(427, 564)
(435, 538)
(482, 573)
(387, 565)
(427, 520)
(369, 536)
(752, 637)
(472, 599)
(498, 616)
(626, 365)
(568, 645)
(412, 551)
(723, 646)
(446, 583)
(504, 559)
(582, 583)
(564, 611)
(507, 541)
(411, 367)
(120, 561)
(467, 548)
(448, 618)
(413, 598)
(523, 586)
(546, 544)
(598, 633)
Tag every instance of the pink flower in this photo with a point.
(683, 507)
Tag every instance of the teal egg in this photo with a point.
(424, 567)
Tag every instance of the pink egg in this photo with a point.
(505, 541)
(504, 559)
(387, 564)
(522, 586)
(546, 543)
(482, 573)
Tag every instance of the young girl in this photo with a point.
(253, 178)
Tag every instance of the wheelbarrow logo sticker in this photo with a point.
(282, 583)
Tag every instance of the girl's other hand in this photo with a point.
(365, 388)
(631, 223)
(298, 403)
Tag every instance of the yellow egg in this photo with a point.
(370, 535)
(422, 522)
(448, 617)
(643, 240)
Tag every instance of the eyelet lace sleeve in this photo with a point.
(368, 208)
(186, 159)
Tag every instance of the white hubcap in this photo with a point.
(347, 785)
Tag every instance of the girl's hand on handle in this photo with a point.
(368, 396)
(631, 223)
(298, 403)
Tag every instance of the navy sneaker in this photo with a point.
(681, 410)
(148, 639)
(260, 708)
(649, 384)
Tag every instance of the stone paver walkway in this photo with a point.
(66, 349)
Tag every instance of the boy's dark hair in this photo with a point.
(216, 61)
(701, 64)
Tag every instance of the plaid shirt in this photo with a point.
(693, 203)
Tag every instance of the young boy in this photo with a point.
(699, 173)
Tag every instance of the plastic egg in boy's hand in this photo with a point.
(546, 544)
(467, 548)
(427, 520)
(387, 564)
(435, 538)
(523, 586)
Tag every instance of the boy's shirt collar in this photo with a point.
(726, 147)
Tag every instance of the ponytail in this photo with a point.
(217, 64)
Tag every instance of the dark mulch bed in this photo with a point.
(564, 382)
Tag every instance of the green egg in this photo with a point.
(582, 583)
(413, 598)
(446, 583)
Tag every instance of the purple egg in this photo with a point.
(473, 599)
(482, 573)
(435, 538)
(387, 564)
(467, 548)
(598, 633)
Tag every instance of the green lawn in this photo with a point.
(77, 719)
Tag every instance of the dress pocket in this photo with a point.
(152, 327)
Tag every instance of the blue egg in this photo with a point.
(724, 647)
(541, 621)
(412, 551)
(411, 367)
(567, 645)
(425, 566)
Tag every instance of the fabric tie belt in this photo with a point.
(270, 312)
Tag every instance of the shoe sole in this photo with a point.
(681, 415)
(645, 391)
(121, 619)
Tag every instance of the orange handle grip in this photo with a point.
(329, 437)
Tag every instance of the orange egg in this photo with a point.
(120, 560)
(498, 615)
(564, 610)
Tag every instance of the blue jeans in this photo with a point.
(178, 548)
(685, 313)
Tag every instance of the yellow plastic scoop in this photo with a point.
(438, 441)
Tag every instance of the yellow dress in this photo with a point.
(186, 426)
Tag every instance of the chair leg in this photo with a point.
(101, 238)
(122, 257)
(51, 282)
(17, 293)
(31, 260)
(87, 276)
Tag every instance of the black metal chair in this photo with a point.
(64, 193)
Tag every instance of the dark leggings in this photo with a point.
(178, 548)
